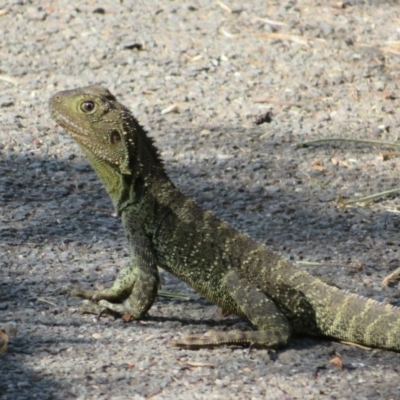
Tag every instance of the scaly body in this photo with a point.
(167, 229)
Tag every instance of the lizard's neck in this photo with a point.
(126, 189)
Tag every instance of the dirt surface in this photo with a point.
(323, 69)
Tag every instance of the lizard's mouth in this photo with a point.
(65, 122)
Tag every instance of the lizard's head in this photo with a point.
(96, 120)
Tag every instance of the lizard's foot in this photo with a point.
(95, 295)
(89, 307)
(116, 308)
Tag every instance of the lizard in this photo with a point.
(167, 229)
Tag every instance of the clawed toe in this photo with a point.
(89, 307)
(105, 304)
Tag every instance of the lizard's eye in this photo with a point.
(87, 106)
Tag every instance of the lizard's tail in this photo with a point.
(350, 317)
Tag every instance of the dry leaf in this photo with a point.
(318, 167)
(338, 4)
(337, 361)
(391, 277)
(388, 95)
(9, 329)
(335, 161)
(3, 342)
(358, 265)
(6, 331)
(148, 91)
(316, 164)
(387, 155)
(340, 163)
(225, 313)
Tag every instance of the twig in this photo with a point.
(293, 38)
(355, 265)
(46, 301)
(270, 21)
(367, 198)
(303, 40)
(355, 345)
(172, 295)
(261, 99)
(304, 262)
(8, 79)
(224, 6)
(339, 139)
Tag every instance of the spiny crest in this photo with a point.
(133, 131)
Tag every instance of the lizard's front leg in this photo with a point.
(135, 288)
(119, 291)
(142, 296)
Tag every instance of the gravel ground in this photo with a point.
(323, 69)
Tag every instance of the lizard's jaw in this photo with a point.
(78, 133)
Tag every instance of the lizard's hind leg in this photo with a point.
(273, 328)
